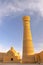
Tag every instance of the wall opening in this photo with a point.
(11, 59)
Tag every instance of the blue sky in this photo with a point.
(11, 24)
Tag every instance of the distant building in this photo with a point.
(10, 56)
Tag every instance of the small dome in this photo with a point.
(12, 48)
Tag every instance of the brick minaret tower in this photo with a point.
(27, 40)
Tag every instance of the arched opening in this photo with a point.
(11, 59)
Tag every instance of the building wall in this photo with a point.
(29, 59)
(11, 58)
(36, 58)
(6, 57)
(41, 57)
(1, 56)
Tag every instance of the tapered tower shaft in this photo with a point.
(27, 38)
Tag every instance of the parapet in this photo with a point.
(26, 18)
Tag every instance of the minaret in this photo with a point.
(28, 49)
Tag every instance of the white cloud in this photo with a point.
(9, 7)
(14, 6)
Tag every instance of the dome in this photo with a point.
(12, 48)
